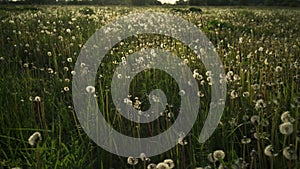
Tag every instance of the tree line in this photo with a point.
(156, 2)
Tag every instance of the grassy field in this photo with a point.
(260, 50)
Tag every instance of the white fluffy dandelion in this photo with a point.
(290, 153)
(286, 117)
(132, 161)
(34, 138)
(162, 166)
(269, 151)
(169, 162)
(219, 154)
(286, 128)
(37, 98)
(90, 89)
(151, 166)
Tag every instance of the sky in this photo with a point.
(168, 1)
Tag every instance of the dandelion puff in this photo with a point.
(286, 117)
(260, 104)
(66, 89)
(37, 98)
(69, 60)
(255, 119)
(132, 161)
(143, 156)
(219, 154)
(181, 93)
(151, 166)
(34, 138)
(90, 89)
(162, 166)
(269, 151)
(49, 53)
(182, 141)
(210, 158)
(286, 128)
(170, 163)
(289, 153)
(245, 140)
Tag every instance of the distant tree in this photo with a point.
(197, 2)
(269, 2)
(181, 2)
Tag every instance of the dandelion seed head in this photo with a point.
(90, 89)
(245, 140)
(66, 89)
(181, 93)
(49, 53)
(143, 156)
(255, 119)
(34, 138)
(37, 98)
(286, 117)
(286, 128)
(269, 151)
(162, 166)
(290, 152)
(132, 161)
(151, 166)
(69, 60)
(170, 163)
(219, 154)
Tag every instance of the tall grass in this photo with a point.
(260, 50)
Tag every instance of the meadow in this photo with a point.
(260, 51)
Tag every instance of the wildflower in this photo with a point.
(90, 89)
(246, 94)
(66, 89)
(26, 65)
(181, 93)
(132, 161)
(182, 141)
(255, 119)
(278, 69)
(286, 128)
(169, 162)
(151, 166)
(210, 158)
(286, 117)
(37, 98)
(233, 94)
(265, 122)
(246, 140)
(162, 166)
(49, 53)
(290, 153)
(66, 69)
(253, 153)
(127, 101)
(245, 117)
(73, 72)
(50, 70)
(143, 156)
(260, 104)
(34, 138)
(269, 151)
(219, 154)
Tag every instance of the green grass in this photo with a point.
(260, 50)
